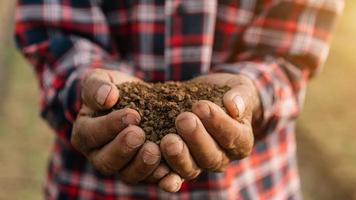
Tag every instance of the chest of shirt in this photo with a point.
(145, 29)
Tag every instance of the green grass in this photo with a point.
(326, 128)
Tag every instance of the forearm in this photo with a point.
(280, 86)
(286, 43)
(61, 52)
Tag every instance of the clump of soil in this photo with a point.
(159, 104)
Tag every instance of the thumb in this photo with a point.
(241, 101)
(98, 91)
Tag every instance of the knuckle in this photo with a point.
(151, 155)
(217, 123)
(116, 121)
(112, 121)
(217, 163)
(193, 174)
(143, 171)
(222, 168)
(226, 140)
(103, 166)
(244, 148)
(180, 159)
(211, 164)
(77, 139)
(89, 76)
(203, 109)
(126, 149)
(126, 145)
(173, 147)
(230, 138)
(240, 153)
(81, 140)
(161, 171)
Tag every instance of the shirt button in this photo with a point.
(181, 10)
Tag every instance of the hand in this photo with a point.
(209, 139)
(113, 143)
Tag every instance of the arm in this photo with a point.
(64, 43)
(62, 46)
(285, 44)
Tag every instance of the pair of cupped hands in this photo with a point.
(208, 138)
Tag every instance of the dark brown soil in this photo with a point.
(159, 104)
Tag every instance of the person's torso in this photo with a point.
(176, 40)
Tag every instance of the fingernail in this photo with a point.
(130, 119)
(149, 158)
(187, 124)
(102, 94)
(203, 110)
(174, 148)
(134, 139)
(176, 185)
(240, 105)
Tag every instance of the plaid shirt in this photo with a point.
(279, 44)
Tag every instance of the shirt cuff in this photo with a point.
(280, 99)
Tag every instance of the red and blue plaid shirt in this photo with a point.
(279, 44)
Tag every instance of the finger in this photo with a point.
(234, 137)
(89, 133)
(116, 154)
(205, 151)
(144, 163)
(171, 183)
(240, 101)
(177, 155)
(161, 171)
(98, 90)
(241, 98)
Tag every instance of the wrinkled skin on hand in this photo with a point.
(113, 143)
(209, 138)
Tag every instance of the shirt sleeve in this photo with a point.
(286, 43)
(62, 40)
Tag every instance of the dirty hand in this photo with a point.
(113, 143)
(209, 139)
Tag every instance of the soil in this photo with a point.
(160, 103)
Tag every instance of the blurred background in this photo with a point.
(326, 128)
